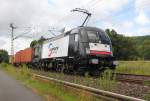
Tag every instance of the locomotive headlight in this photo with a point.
(94, 61)
(87, 51)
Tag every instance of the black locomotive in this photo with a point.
(80, 50)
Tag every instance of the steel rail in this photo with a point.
(132, 78)
(96, 92)
(138, 75)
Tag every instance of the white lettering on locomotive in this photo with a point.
(55, 48)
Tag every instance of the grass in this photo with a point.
(147, 96)
(105, 82)
(51, 91)
(134, 67)
(57, 92)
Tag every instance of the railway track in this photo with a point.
(106, 95)
(124, 77)
(133, 78)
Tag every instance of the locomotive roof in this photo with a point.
(54, 38)
(90, 28)
(64, 34)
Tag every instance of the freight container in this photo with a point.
(28, 53)
(21, 56)
(24, 56)
(17, 57)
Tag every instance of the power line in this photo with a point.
(21, 35)
(52, 32)
(87, 4)
(13, 38)
(95, 3)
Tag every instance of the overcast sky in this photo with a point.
(127, 17)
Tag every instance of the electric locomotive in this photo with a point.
(80, 50)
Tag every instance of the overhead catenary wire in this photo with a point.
(21, 35)
(88, 4)
(93, 6)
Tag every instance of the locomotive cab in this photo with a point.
(93, 48)
(98, 42)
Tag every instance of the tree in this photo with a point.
(145, 49)
(123, 47)
(4, 57)
(33, 43)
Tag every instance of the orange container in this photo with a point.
(17, 57)
(20, 57)
(28, 55)
(24, 56)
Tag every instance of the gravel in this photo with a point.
(134, 90)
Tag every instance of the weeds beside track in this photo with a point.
(96, 92)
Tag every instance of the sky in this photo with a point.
(37, 17)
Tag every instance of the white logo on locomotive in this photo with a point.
(52, 49)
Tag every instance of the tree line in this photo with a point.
(4, 57)
(129, 48)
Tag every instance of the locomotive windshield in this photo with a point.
(98, 36)
(93, 36)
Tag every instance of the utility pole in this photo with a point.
(12, 41)
(14, 38)
(85, 12)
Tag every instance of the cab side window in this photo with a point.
(76, 37)
(75, 32)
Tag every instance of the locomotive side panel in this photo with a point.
(56, 48)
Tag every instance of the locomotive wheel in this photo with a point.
(81, 71)
(95, 73)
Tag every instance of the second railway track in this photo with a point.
(133, 78)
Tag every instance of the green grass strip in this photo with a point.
(57, 91)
